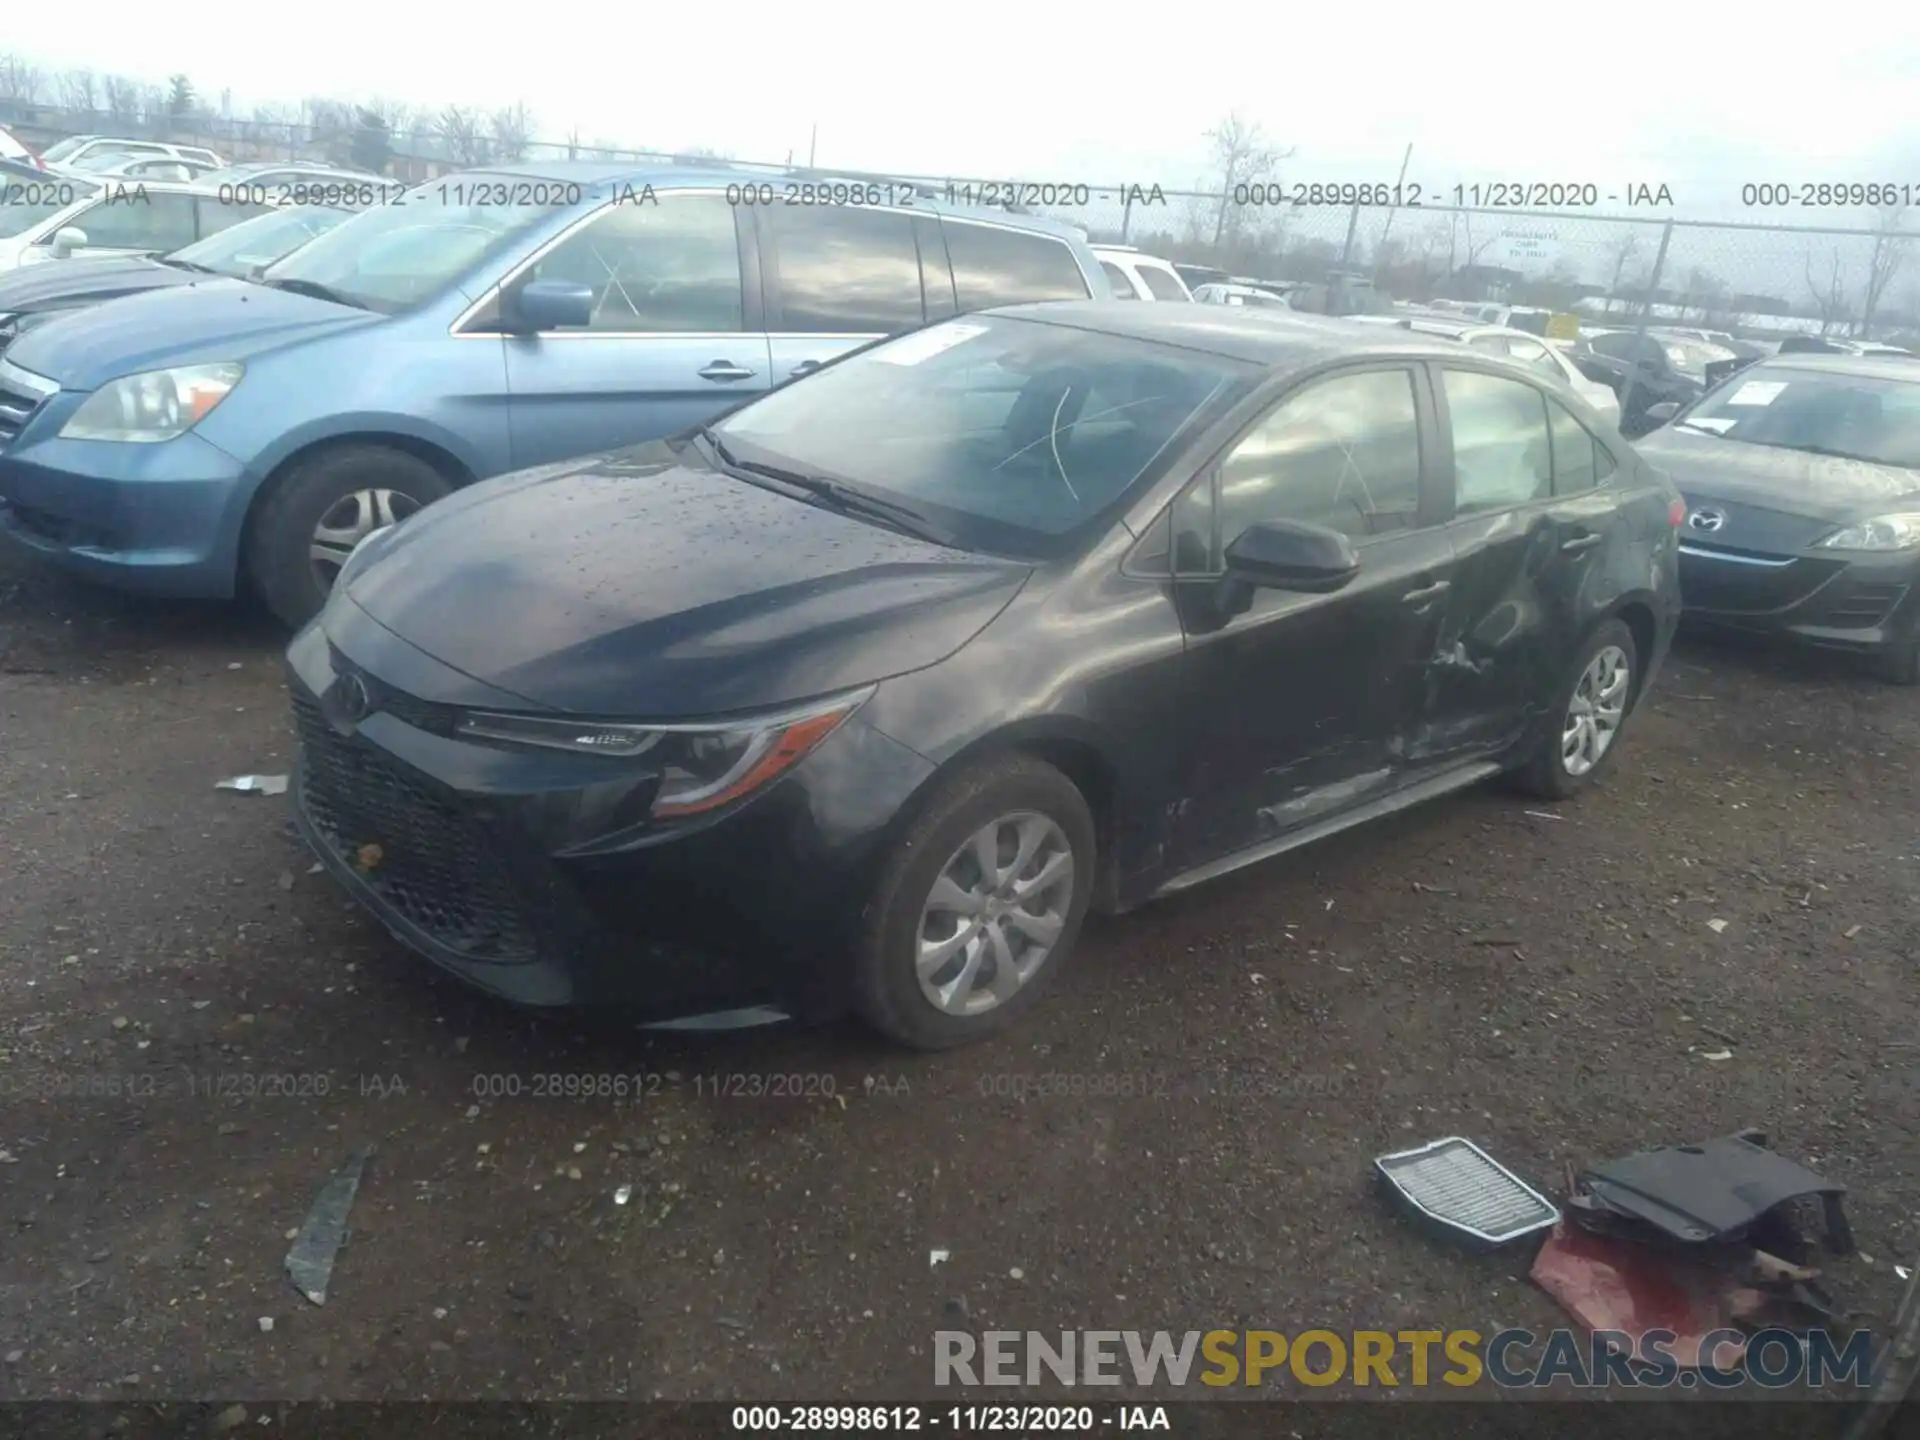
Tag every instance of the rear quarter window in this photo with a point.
(996, 266)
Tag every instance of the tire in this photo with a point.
(1899, 663)
(1026, 797)
(1548, 774)
(279, 559)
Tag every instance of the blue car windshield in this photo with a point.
(1014, 436)
(394, 257)
(241, 249)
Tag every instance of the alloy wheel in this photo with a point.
(350, 520)
(994, 914)
(1594, 713)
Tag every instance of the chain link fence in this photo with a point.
(1755, 278)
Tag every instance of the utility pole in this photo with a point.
(813, 141)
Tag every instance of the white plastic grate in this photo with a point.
(1456, 1183)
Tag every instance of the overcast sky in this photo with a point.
(1613, 93)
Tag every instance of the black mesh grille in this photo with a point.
(435, 866)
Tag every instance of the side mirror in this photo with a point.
(1658, 415)
(552, 305)
(1287, 555)
(67, 239)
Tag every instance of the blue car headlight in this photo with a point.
(153, 406)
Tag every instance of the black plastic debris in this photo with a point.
(310, 1261)
(1457, 1187)
(1717, 1192)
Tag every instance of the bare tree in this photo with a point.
(1889, 254)
(1830, 298)
(80, 90)
(573, 143)
(19, 82)
(153, 104)
(1243, 156)
(1625, 250)
(459, 128)
(122, 99)
(512, 130)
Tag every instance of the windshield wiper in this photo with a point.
(844, 498)
(313, 288)
(192, 265)
(1698, 429)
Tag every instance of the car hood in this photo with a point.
(207, 321)
(645, 584)
(34, 288)
(1790, 482)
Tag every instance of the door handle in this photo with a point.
(725, 370)
(805, 367)
(1428, 595)
(1579, 543)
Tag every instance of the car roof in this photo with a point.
(616, 176)
(1871, 367)
(1284, 339)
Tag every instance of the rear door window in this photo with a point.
(1502, 455)
(1164, 284)
(993, 265)
(844, 270)
(1116, 277)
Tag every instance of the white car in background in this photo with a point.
(1138, 276)
(12, 149)
(143, 168)
(71, 217)
(1250, 296)
(1519, 345)
(68, 154)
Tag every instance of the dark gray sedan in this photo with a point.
(1802, 481)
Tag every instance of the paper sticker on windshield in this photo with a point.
(912, 349)
(1757, 392)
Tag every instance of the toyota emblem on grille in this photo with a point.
(1708, 520)
(355, 703)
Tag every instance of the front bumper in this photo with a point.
(496, 864)
(1841, 601)
(153, 519)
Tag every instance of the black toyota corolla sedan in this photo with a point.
(1802, 480)
(863, 695)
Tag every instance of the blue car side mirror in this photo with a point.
(552, 305)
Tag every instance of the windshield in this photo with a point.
(1012, 435)
(63, 148)
(243, 248)
(396, 256)
(32, 201)
(1857, 417)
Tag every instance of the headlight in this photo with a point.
(1883, 532)
(702, 767)
(158, 405)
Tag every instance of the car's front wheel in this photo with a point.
(320, 510)
(979, 906)
(1589, 709)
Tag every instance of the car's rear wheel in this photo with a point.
(979, 906)
(1589, 710)
(320, 510)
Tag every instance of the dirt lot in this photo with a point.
(1549, 986)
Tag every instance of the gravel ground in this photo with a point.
(1550, 986)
